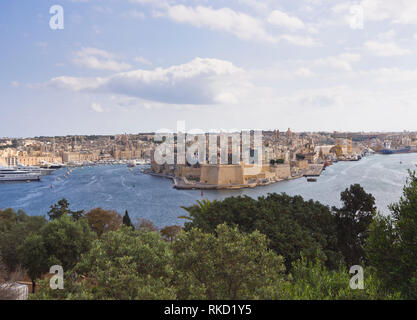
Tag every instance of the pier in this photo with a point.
(314, 170)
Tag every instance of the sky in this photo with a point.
(115, 66)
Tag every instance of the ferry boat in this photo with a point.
(393, 151)
(10, 174)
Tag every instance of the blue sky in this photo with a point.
(141, 65)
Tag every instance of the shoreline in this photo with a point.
(180, 183)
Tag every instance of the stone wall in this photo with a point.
(221, 174)
(282, 171)
(188, 172)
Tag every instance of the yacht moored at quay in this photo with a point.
(36, 170)
(11, 174)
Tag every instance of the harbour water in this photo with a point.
(144, 196)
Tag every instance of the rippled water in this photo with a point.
(116, 187)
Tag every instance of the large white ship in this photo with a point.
(32, 169)
(10, 174)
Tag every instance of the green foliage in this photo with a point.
(75, 288)
(313, 281)
(292, 225)
(14, 227)
(392, 244)
(61, 208)
(226, 265)
(34, 256)
(65, 240)
(275, 247)
(353, 221)
(128, 264)
(61, 242)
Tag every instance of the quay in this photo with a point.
(314, 170)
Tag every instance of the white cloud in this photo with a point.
(226, 98)
(301, 41)
(343, 61)
(282, 19)
(397, 11)
(96, 107)
(391, 76)
(394, 11)
(303, 72)
(237, 23)
(142, 60)
(200, 81)
(240, 24)
(386, 49)
(98, 59)
(387, 35)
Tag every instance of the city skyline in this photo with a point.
(141, 65)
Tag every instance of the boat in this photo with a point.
(395, 151)
(11, 174)
(311, 180)
(47, 165)
(33, 169)
(141, 162)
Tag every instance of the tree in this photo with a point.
(3, 271)
(126, 220)
(127, 264)
(14, 227)
(292, 225)
(65, 240)
(60, 242)
(61, 209)
(226, 265)
(392, 244)
(34, 257)
(169, 233)
(145, 225)
(353, 221)
(102, 221)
